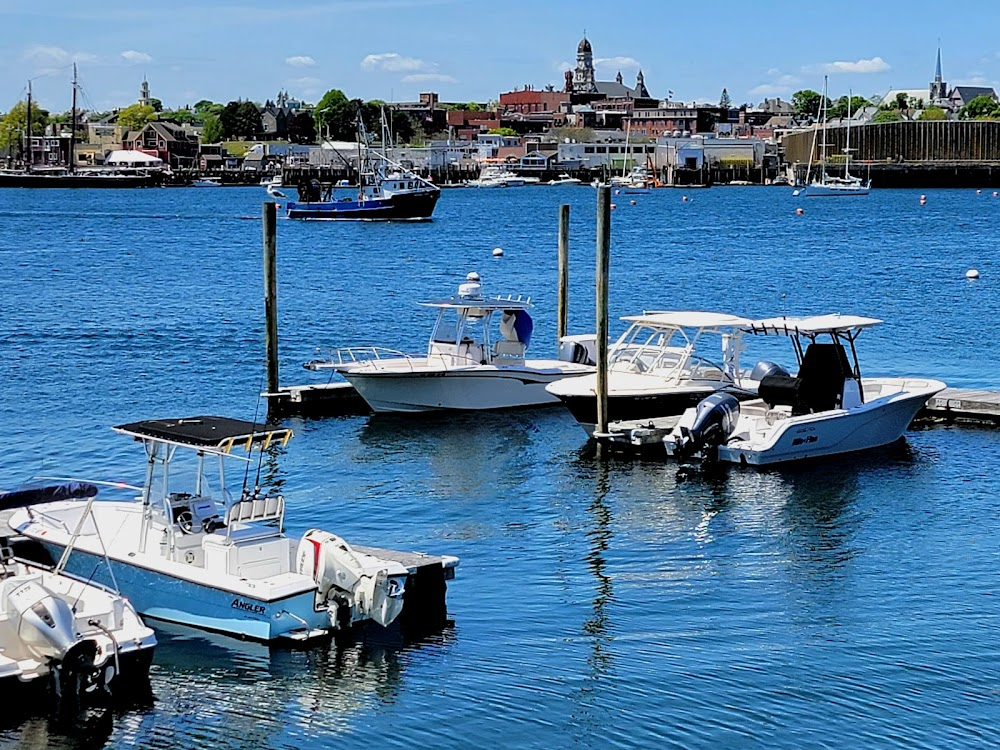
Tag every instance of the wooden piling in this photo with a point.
(562, 311)
(601, 282)
(271, 294)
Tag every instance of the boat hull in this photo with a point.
(165, 597)
(463, 389)
(634, 407)
(827, 191)
(399, 207)
(878, 423)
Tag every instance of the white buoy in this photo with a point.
(972, 273)
(498, 252)
(795, 193)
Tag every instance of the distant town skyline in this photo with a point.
(471, 51)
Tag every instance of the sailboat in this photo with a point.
(68, 176)
(825, 185)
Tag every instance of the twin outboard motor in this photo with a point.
(371, 588)
(714, 421)
(46, 626)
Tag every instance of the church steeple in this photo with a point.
(938, 88)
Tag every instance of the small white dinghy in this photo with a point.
(59, 630)
(827, 409)
(476, 359)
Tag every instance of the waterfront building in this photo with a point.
(528, 101)
(176, 146)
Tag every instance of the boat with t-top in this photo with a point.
(184, 551)
(826, 409)
(476, 359)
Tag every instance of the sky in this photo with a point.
(472, 50)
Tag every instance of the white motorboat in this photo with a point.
(496, 176)
(823, 185)
(827, 409)
(187, 555)
(565, 179)
(274, 181)
(664, 363)
(60, 629)
(207, 182)
(476, 359)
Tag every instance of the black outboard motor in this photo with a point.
(714, 421)
(764, 369)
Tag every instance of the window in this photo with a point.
(588, 149)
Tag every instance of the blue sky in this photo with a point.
(475, 49)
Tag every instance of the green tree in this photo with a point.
(249, 124)
(212, 131)
(724, 101)
(979, 108)
(579, 135)
(839, 108)
(228, 118)
(808, 102)
(301, 128)
(902, 101)
(932, 113)
(336, 116)
(14, 122)
(887, 115)
(502, 131)
(156, 104)
(136, 116)
(180, 116)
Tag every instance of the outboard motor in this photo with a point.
(46, 626)
(714, 421)
(371, 588)
(765, 369)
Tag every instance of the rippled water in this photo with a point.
(609, 602)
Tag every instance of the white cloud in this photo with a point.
(874, 65)
(563, 66)
(780, 83)
(425, 77)
(974, 79)
(306, 85)
(133, 57)
(616, 62)
(300, 61)
(393, 62)
(47, 59)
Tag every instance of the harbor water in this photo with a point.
(600, 601)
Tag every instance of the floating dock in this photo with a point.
(964, 405)
(321, 400)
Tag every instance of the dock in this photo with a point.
(321, 400)
(964, 405)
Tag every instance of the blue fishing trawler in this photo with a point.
(387, 191)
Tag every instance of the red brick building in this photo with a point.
(529, 101)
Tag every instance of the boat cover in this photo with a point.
(48, 494)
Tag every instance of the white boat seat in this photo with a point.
(257, 509)
(509, 352)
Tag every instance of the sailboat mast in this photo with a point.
(823, 123)
(72, 127)
(628, 133)
(847, 148)
(27, 134)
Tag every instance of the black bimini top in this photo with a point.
(204, 432)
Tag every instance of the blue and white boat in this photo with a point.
(387, 191)
(187, 555)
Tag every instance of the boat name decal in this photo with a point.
(801, 441)
(257, 609)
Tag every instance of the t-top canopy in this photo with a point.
(480, 303)
(814, 325)
(218, 433)
(688, 319)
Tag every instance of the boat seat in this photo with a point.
(509, 352)
(819, 385)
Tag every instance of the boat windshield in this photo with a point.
(674, 352)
